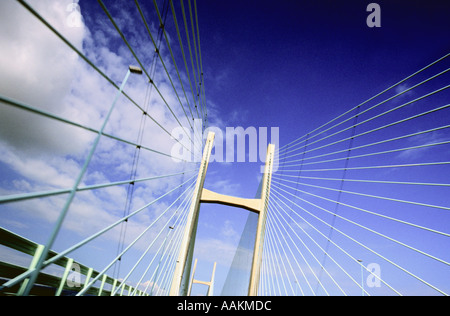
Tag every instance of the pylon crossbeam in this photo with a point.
(180, 280)
(213, 197)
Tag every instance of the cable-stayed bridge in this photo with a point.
(357, 206)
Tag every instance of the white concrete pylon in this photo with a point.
(180, 281)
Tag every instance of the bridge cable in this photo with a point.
(370, 99)
(375, 232)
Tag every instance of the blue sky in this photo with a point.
(284, 64)
(297, 65)
(293, 65)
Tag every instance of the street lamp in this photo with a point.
(57, 226)
(135, 70)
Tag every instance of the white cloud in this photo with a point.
(38, 153)
(38, 69)
(224, 251)
(56, 171)
(225, 186)
(421, 140)
(228, 230)
(401, 89)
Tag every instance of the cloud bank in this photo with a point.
(38, 153)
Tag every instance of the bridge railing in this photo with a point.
(55, 281)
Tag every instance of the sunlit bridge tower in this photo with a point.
(180, 281)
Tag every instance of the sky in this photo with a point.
(265, 59)
(290, 65)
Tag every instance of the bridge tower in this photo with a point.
(180, 280)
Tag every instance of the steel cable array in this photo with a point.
(359, 204)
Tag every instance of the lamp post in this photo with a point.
(28, 283)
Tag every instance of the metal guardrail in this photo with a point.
(54, 285)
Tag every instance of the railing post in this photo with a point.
(88, 277)
(34, 262)
(113, 287)
(64, 277)
(100, 290)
